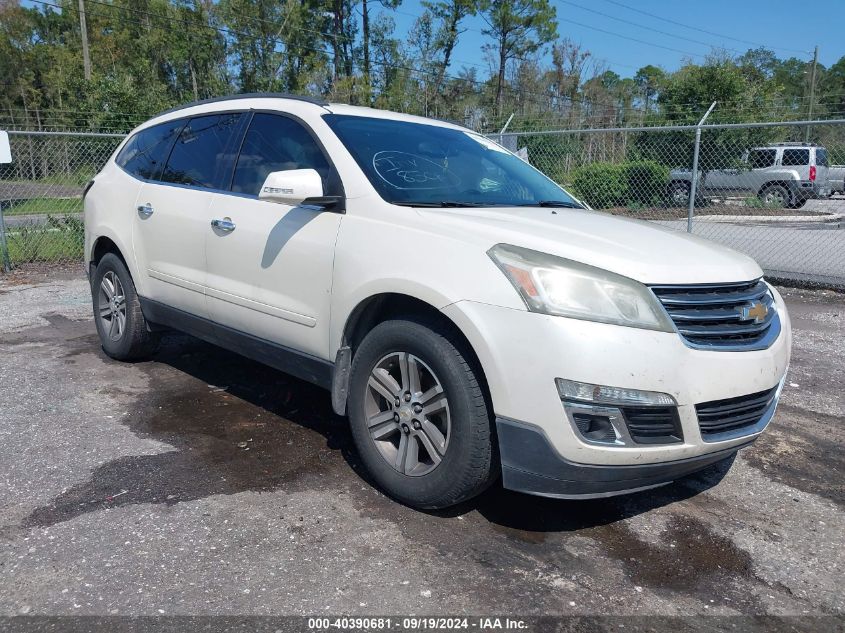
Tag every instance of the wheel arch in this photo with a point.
(384, 306)
(786, 184)
(107, 242)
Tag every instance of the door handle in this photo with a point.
(225, 225)
(146, 210)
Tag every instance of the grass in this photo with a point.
(757, 203)
(44, 206)
(59, 239)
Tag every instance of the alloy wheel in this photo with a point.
(112, 306)
(407, 414)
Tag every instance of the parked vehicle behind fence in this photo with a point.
(780, 175)
(469, 316)
(836, 178)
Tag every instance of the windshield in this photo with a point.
(427, 165)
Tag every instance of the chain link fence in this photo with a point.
(774, 191)
(41, 194)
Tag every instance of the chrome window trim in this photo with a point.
(243, 132)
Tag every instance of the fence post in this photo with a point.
(694, 185)
(4, 244)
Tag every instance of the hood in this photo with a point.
(641, 250)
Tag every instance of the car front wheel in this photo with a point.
(419, 417)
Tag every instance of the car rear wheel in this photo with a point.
(776, 196)
(117, 312)
(419, 417)
(679, 193)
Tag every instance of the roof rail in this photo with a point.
(248, 95)
(793, 144)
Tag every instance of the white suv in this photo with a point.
(468, 315)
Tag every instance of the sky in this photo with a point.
(781, 25)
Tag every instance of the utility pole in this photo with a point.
(83, 28)
(812, 93)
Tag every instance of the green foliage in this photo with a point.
(632, 184)
(42, 206)
(601, 185)
(645, 182)
(754, 202)
(551, 153)
(517, 28)
(59, 238)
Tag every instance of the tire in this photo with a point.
(468, 459)
(776, 195)
(121, 324)
(679, 193)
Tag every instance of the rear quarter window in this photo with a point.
(144, 154)
(821, 157)
(796, 157)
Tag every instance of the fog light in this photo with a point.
(596, 428)
(601, 394)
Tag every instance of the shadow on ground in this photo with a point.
(234, 425)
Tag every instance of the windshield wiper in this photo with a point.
(566, 204)
(439, 204)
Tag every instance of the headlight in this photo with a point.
(557, 286)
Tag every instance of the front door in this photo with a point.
(270, 264)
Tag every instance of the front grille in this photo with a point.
(653, 425)
(710, 316)
(733, 414)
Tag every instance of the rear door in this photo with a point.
(172, 211)
(270, 270)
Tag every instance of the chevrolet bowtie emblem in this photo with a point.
(756, 311)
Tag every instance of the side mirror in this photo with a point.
(291, 187)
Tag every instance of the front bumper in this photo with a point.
(530, 464)
(522, 353)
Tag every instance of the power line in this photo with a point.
(695, 28)
(633, 39)
(643, 26)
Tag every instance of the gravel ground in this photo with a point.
(202, 483)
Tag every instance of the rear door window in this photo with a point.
(144, 154)
(796, 157)
(276, 143)
(761, 158)
(205, 151)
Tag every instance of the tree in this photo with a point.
(448, 14)
(517, 28)
(649, 79)
(365, 28)
(569, 59)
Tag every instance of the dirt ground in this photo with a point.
(200, 483)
